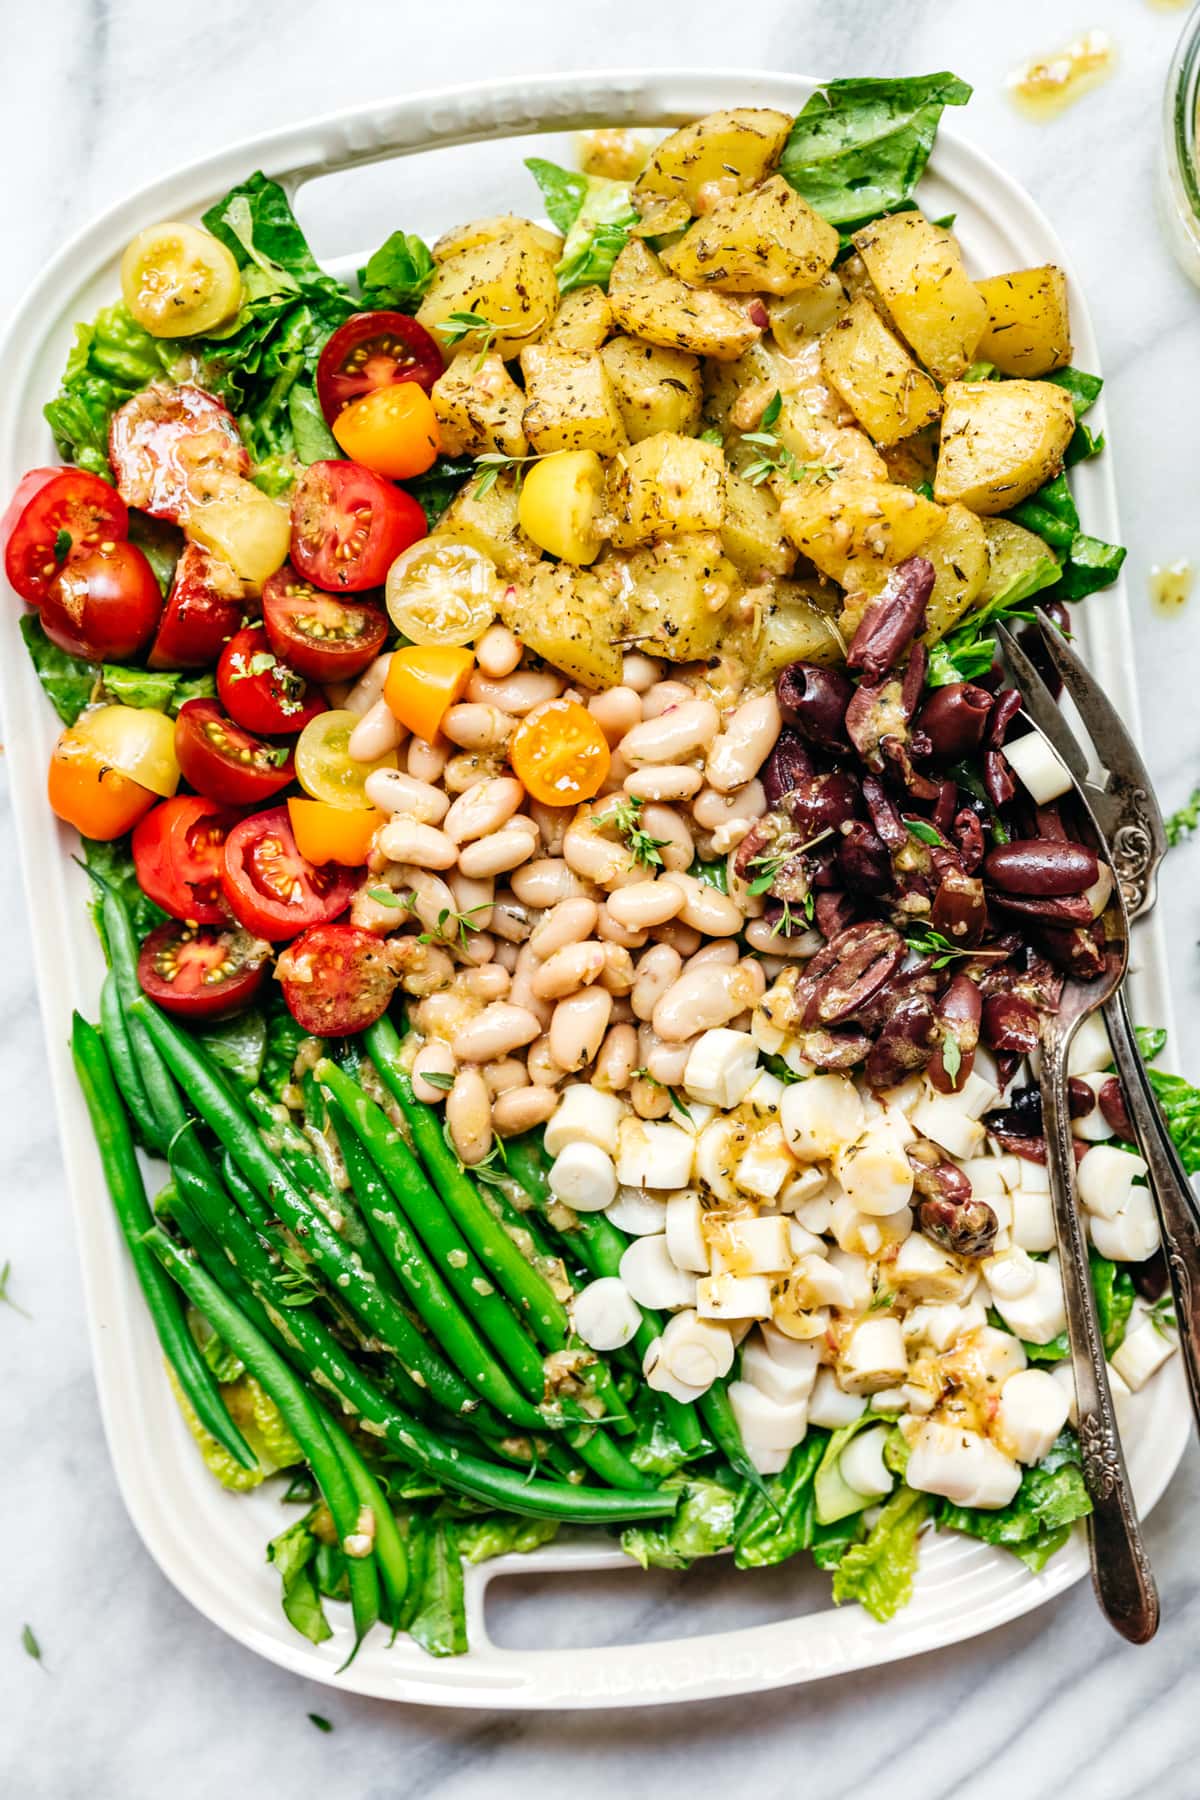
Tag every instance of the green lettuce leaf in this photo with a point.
(1037, 1521)
(781, 1522)
(656, 1450)
(1083, 388)
(439, 1621)
(879, 1572)
(1087, 563)
(1180, 1103)
(859, 147)
(163, 689)
(500, 1534)
(563, 191)
(109, 361)
(968, 652)
(1151, 1041)
(238, 1045)
(113, 862)
(702, 1525)
(398, 275)
(284, 1037)
(70, 683)
(293, 1553)
(594, 216)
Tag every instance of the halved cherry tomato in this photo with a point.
(393, 430)
(332, 834)
(84, 789)
(325, 768)
(348, 526)
(373, 350)
(273, 890)
(201, 971)
(560, 753)
(168, 443)
(56, 514)
(137, 740)
(260, 691)
(336, 979)
(423, 682)
(178, 281)
(204, 608)
(178, 854)
(226, 763)
(104, 603)
(320, 637)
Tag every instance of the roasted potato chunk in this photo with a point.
(752, 533)
(918, 272)
(582, 322)
(810, 427)
(1000, 441)
(569, 403)
(678, 595)
(1028, 328)
(492, 231)
(767, 240)
(569, 616)
(649, 303)
(889, 395)
(479, 407)
(798, 318)
(656, 389)
(662, 486)
(843, 522)
(791, 624)
(489, 522)
(1013, 555)
(723, 153)
(507, 281)
(959, 556)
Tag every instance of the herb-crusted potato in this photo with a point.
(569, 402)
(678, 595)
(917, 270)
(488, 521)
(500, 227)
(790, 624)
(798, 318)
(813, 425)
(508, 281)
(665, 485)
(582, 322)
(752, 533)
(842, 522)
(479, 407)
(656, 389)
(569, 616)
(724, 153)
(1014, 555)
(769, 239)
(650, 304)
(879, 381)
(1000, 441)
(1028, 328)
(959, 554)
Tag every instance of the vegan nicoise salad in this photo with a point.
(577, 893)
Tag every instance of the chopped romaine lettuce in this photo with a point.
(859, 147)
(398, 274)
(702, 1525)
(879, 1572)
(110, 359)
(594, 215)
(780, 1522)
(293, 1553)
(238, 1045)
(1037, 1521)
(502, 1534)
(70, 683)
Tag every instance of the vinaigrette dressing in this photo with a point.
(1047, 85)
(1171, 585)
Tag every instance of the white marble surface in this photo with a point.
(138, 1695)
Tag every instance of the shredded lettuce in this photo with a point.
(294, 1553)
(594, 215)
(503, 1534)
(703, 1524)
(879, 1572)
(1038, 1520)
(111, 359)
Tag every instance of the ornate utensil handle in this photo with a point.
(1121, 1572)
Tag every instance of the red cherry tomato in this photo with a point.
(273, 890)
(104, 604)
(168, 444)
(374, 349)
(227, 764)
(204, 609)
(57, 514)
(201, 971)
(336, 979)
(260, 691)
(178, 854)
(318, 636)
(349, 526)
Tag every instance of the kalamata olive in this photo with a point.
(1112, 1105)
(862, 859)
(968, 835)
(833, 911)
(945, 806)
(847, 973)
(885, 814)
(892, 619)
(1077, 949)
(1005, 708)
(814, 700)
(959, 908)
(954, 719)
(968, 1229)
(1010, 1022)
(785, 921)
(1034, 646)
(1048, 822)
(821, 802)
(787, 763)
(912, 685)
(1051, 909)
(898, 755)
(905, 1044)
(1150, 1277)
(873, 715)
(935, 1176)
(998, 780)
(842, 1049)
(959, 1010)
(1080, 1098)
(1022, 1117)
(1041, 867)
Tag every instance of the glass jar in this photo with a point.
(1180, 161)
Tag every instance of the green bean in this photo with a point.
(389, 1550)
(124, 1065)
(124, 1180)
(718, 1415)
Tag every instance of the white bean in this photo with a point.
(552, 822)
(724, 954)
(425, 760)
(616, 1059)
(567, 970)
(546, 881)
(521, 992)
(663, 696)
(423, 968)
(469, 768)
(522, 1109)
(645, 903)
(578, 1026)
(762, 936)
(704, 907)
(567, 923)
(469, 1116)
(472, 947)
(495, 1031)
(683, 938)
(504, 1075)
(506, 955)
(704, 999)
(674, 840)
(544, 1070)
(484, 808)
(433, 1058)
(594, 857)
(498, 854)
(498, 652)
(680, 732)
(613, 932)
(639, 672)
(618, 774)
(618, 972)
(510, 920)
(472, 899)
(490, 982)
(616, 711)
(666, 1062)
(394, 792)
(442, 1014)
(743, 747)
(712, 810)
(663, 781)
(364, 692)
(474, 726)
(406, 840)
(377, 732)
(649, 1100)
(516, 694)
(657, 970)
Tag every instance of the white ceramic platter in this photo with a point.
(424, 163)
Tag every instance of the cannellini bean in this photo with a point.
(616, 1059)
(516, 694)
(578, 1026)
(618, 972)
(433, 1058)
(704, 999)
(506, 955)
(668, 829)
(495, 1031)
(567, 923)
(377, 732)
(363, 693)
(544, 1070)
(373, 915)
(497, 855)
(663, 696)
(665, 1062)
(498, 652)
(683, 938)
(645, 903)
(713, 810)
(639, 672)
(705, 908)
(593, 856)
(613, 932)
(510, 920)
(422, 968)
(685, 729)
(479, 947)
(476, 726)
(441, 1014)
(469, 768)
(552, 822)
(737, 755)
(472, 899)
(649, 1100)
(546, 881)
(614, 781)
(484, 808)
(469, 1116)
(521, 992)
(507, 1073)
(567, 970)
(663, 781)
(616, 712)
(425, 760)
(394, 792)
(490, 982)
(657, 969)
(432, 898)
(761, 936)
(406, 840)
(722, 955)
(522, 1109)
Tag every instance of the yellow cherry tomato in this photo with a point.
(560, 503)
(137, 740)
(560, 753)
(332, 834)
(442, 592)
(86, 790)
(178, 280)
(423, 682)
(392, 430)
(324, 766)
(242, 525)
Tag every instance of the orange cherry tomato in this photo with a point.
(424, 681)
(560, 753)
(331, 834)
(86, 791)
(392, 430)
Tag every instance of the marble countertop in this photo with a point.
(137, 1693)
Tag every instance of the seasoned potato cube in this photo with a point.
(569, 402)
(492, 231)
(489, 522)
(507, 281)
(917, 269)
(1013, 555)
(582, 322)
(798, 318)
(665, 485)
(678, 595)
(567, 615)
(1000, 441)
(1028, 328)
(879, 381)
(959, 554)
(838, 523)
(735, 393)
(752, 533)
(809, 426)
(649, 303)
(656, 389)
(769, 239)
(723, 153)
(791, 624)
(479, 407)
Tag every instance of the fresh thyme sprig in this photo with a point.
(460, 925)
(625, 817)
(776, 458)
(6, 1298)
(770, 862)
(493, 464)
(927, 942)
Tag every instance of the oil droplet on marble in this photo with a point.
(1170, 585)
(1046, 85)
